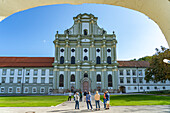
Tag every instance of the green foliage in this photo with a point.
(135, 100)
(158, 70)
(31, 101)
(146, 58)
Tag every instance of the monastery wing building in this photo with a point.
(85, 59)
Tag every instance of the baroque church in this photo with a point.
(87, 53)
(85, 59)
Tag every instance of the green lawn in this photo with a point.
(134, 100)
(31, 101)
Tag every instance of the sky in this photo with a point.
(30, 33)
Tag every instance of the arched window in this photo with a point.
(98, 78)
(98, 60)
(61, 80)
(85, 58)
(85, 32)
(85, 75)
(72, 60)
(109, 80)
(109, 60)
(61, 60)
(72, 78)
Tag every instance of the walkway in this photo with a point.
(68, 107)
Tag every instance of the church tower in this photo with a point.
(85, 57)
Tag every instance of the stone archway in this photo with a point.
(157, 10)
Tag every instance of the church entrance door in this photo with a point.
(86, 86)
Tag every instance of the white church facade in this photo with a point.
(85, 59)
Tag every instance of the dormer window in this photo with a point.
(85, 32)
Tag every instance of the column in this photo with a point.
(66, 70)
(78, 52)
(93, 78)
(56, 52)
(103, 79)
(92, 27)
(68, 87)
(78, 71)
(56, 78)
(66, 52)
(115, 76)
(113, 50)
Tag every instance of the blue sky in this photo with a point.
(31, 32)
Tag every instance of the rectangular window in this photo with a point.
(18, 90)
(42, 90)
(3, 79)
(134, 72)
(140, 72)
(12, 72)
(35, 72)
(128, 80)
(34, 80)
(43, 72)
(134, 80)
(4, 72)
(26, 90)
(128, 72)
(10, 90)
(34, 90)
(27, 72)
(140, 80)
(27, 80)
(2, 89)
(19, 80)
(42, 80)
(50, 80)
(120, 72)
(11, 80)
(51, 72)
(20, 72)
(121, 80)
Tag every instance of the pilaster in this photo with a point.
(115, 78)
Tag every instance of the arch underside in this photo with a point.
(157, 10)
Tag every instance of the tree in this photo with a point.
(146, 58)
(158, 70)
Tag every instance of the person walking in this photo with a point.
(97, 100)
(74, 95)
(77, 101)
(107, 99)
(88, 100)
(80, 96)
(104, 100)
(69, 96)
(85, 93)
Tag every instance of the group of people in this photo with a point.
(87, 98)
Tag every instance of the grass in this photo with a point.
(134, 100)
(31, 101)
(116, 100)
(165, 92)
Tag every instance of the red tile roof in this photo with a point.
(26, 61)
(47, 62)
(133, 64)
